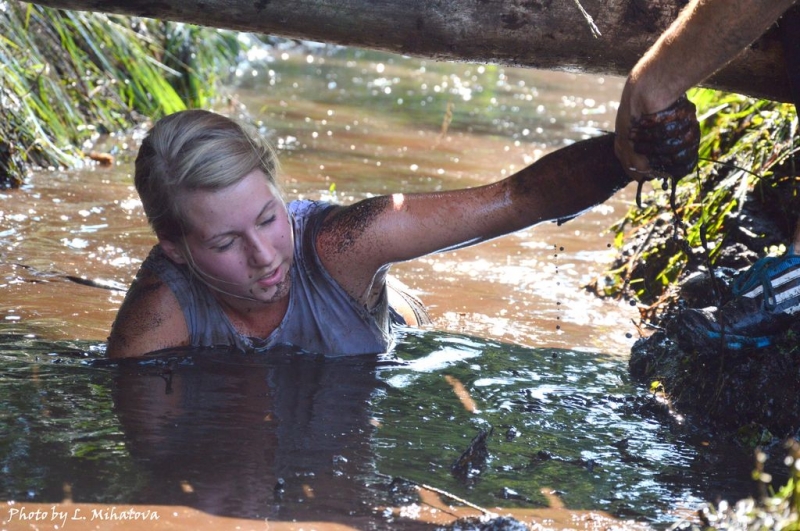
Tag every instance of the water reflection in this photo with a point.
(251, 437)
(284, 437)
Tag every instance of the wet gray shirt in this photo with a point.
(321, 318)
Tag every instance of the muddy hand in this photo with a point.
(669, 138)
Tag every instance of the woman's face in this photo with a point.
(241, 240)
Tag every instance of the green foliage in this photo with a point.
(745, 155)
(68, 76)
(198, 59)
(779, 511)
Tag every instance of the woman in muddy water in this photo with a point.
(236, 266)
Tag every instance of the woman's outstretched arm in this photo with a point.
(358, 241)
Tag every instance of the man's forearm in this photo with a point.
(705, 37)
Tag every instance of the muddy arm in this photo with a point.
(566, 182)
(358, 241)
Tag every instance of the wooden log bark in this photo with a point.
(545, 34)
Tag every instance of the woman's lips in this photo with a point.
(270, 279)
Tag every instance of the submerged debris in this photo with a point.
(470, 463)
(488, 523)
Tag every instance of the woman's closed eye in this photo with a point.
(267, 221)
(224, 246)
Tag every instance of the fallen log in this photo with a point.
(593, 36)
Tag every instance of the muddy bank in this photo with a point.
(752, 394)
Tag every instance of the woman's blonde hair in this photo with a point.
(194, 150)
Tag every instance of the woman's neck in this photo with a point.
(254, 319)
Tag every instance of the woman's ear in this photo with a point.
(172, 250)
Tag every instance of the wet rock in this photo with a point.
(403, 492)
(542, 456)
(736, 256)
(510, 494)
(512, 433)
(485, 523)
(472, 462)
(702, 289)
(279, 489)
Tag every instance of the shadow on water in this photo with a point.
(290, 437)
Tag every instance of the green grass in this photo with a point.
(745, 155)
(68, 77)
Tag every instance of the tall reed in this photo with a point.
(67, 77)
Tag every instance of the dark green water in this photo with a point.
(232, 427)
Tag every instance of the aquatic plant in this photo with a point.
(68, 77)
(742, 197)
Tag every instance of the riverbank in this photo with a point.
(69, 79)
(741, 205)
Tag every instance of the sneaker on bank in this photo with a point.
(765, 299)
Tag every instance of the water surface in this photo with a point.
(294, 438)
(518, 348)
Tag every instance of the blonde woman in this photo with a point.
(236, 266)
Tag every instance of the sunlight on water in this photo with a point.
(521, 352)
(345, 429)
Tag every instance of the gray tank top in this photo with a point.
(321, 318)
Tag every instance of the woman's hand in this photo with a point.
(669, 138)
(658, 144)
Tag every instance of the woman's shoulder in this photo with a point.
(304, 209)
(149, 319)
(308, 217)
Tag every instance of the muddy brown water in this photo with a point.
(219, 441)
(525, 288)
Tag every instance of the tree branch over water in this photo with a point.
(542, 34)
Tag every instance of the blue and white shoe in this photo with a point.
(773, 279)
(766, 298)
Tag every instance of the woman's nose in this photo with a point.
(260, 252)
